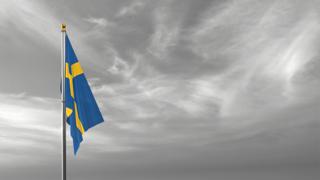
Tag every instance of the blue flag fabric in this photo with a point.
(82, 110)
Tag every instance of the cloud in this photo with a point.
(100, 22)
(29, 125)
(183, 86)
(35, 20)
(119, 67)
(32, 18)
(165, 34)
(32, 126)
(130, 9)
(262, 64)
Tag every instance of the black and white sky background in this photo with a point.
(189, 89)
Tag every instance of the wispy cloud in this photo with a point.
(100, 22)
(165, 34)
(28, 123)
(255, 53)
(32, 18)
(130, 9)
(32, 126)
(219, 84)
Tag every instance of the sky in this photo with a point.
(205, 89)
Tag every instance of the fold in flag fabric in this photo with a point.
(82, 111)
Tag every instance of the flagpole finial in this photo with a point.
(63, 27)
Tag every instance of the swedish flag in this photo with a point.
(81, 108)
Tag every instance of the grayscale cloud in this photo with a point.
(189, 90)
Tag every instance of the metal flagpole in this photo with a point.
(63, 97)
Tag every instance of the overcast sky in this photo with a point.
(189, 89)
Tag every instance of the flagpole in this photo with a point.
(63, 97)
